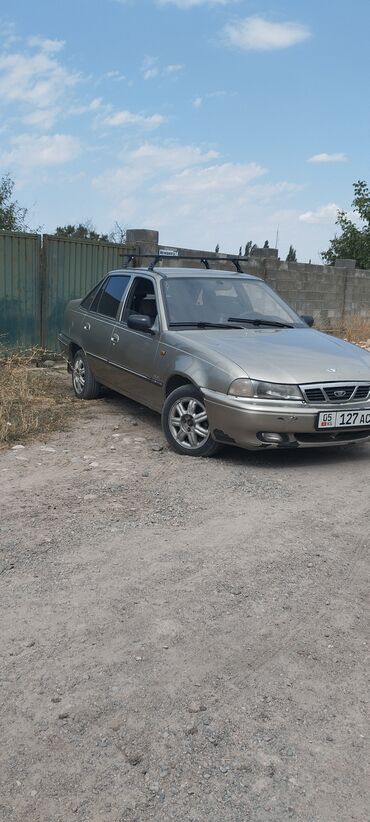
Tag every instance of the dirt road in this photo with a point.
(182, 640)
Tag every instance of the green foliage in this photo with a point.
(12, 215)
(354, 241)
(247, 249)
(82, 231)
(292, 255)
(86, 231)
(217, 249)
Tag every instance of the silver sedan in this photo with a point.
(221, 356)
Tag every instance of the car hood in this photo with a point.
(286, 355)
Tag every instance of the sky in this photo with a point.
(213, 121)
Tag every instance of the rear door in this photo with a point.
(98, 325)
(133, 354)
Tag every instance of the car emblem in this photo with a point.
(339, 394)
(332, 370)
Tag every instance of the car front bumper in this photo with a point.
(241, 422)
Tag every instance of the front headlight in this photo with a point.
(264, 390)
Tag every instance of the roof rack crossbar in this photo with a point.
(130, 258)
(206, 261)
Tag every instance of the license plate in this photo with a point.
(343, 419)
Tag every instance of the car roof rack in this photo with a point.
(203, 259)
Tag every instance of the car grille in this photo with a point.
(325, 393)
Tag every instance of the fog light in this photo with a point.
(271, 438)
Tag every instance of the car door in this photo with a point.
(98, 325)
(133, 354)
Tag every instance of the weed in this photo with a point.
(33, 400)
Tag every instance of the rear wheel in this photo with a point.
(84, 383)
(185, 423)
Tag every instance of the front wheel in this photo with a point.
(185, 423)
(83, 380)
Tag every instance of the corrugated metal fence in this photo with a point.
(38, 276)
(20, 303)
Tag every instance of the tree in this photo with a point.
(248, 248)
(217, 249)
(292, 255)
(240, 251)
(354, 241)
(82, 231)
(118, 234)
(12, 215)
(266, 244)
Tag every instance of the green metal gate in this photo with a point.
(39, 275)
(72, 268)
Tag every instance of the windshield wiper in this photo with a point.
(251, 321)
(203, 325)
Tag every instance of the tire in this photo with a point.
(84, 383)
(185, 423)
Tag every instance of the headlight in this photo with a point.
(264, 390)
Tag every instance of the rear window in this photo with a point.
(88, 300)
(109, 300)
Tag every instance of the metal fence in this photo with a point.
(20, 303)
(39, 275)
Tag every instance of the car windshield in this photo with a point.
(216, 300)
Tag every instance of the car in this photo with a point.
(220, 356)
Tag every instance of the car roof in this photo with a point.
(174, 272)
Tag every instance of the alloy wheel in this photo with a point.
(188, 423)
(79, 375)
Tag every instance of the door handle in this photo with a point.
(114, 338)
(87, 326)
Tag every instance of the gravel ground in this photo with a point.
(181, 639)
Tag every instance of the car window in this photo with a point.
(264, 303)
(216, 299)
(142, 300)
(90, 297)
(109, 299)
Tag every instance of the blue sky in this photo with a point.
(214, 122)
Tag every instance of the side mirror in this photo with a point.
(140, 322)
(307, 319)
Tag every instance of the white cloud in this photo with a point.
(130, 118)
(36, 82)
(199, 101)
(28, 151)
(223, 177)
(256, 33)
(7, 33)
(150, 162)
(173, 68)
(115, 75)
(170, 156)
(151, 68)
(324, 215)
(193, 196)
(337, 157)
(44, 44)
(94, 105)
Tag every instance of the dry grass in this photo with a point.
(33, 400)
(353, 327)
